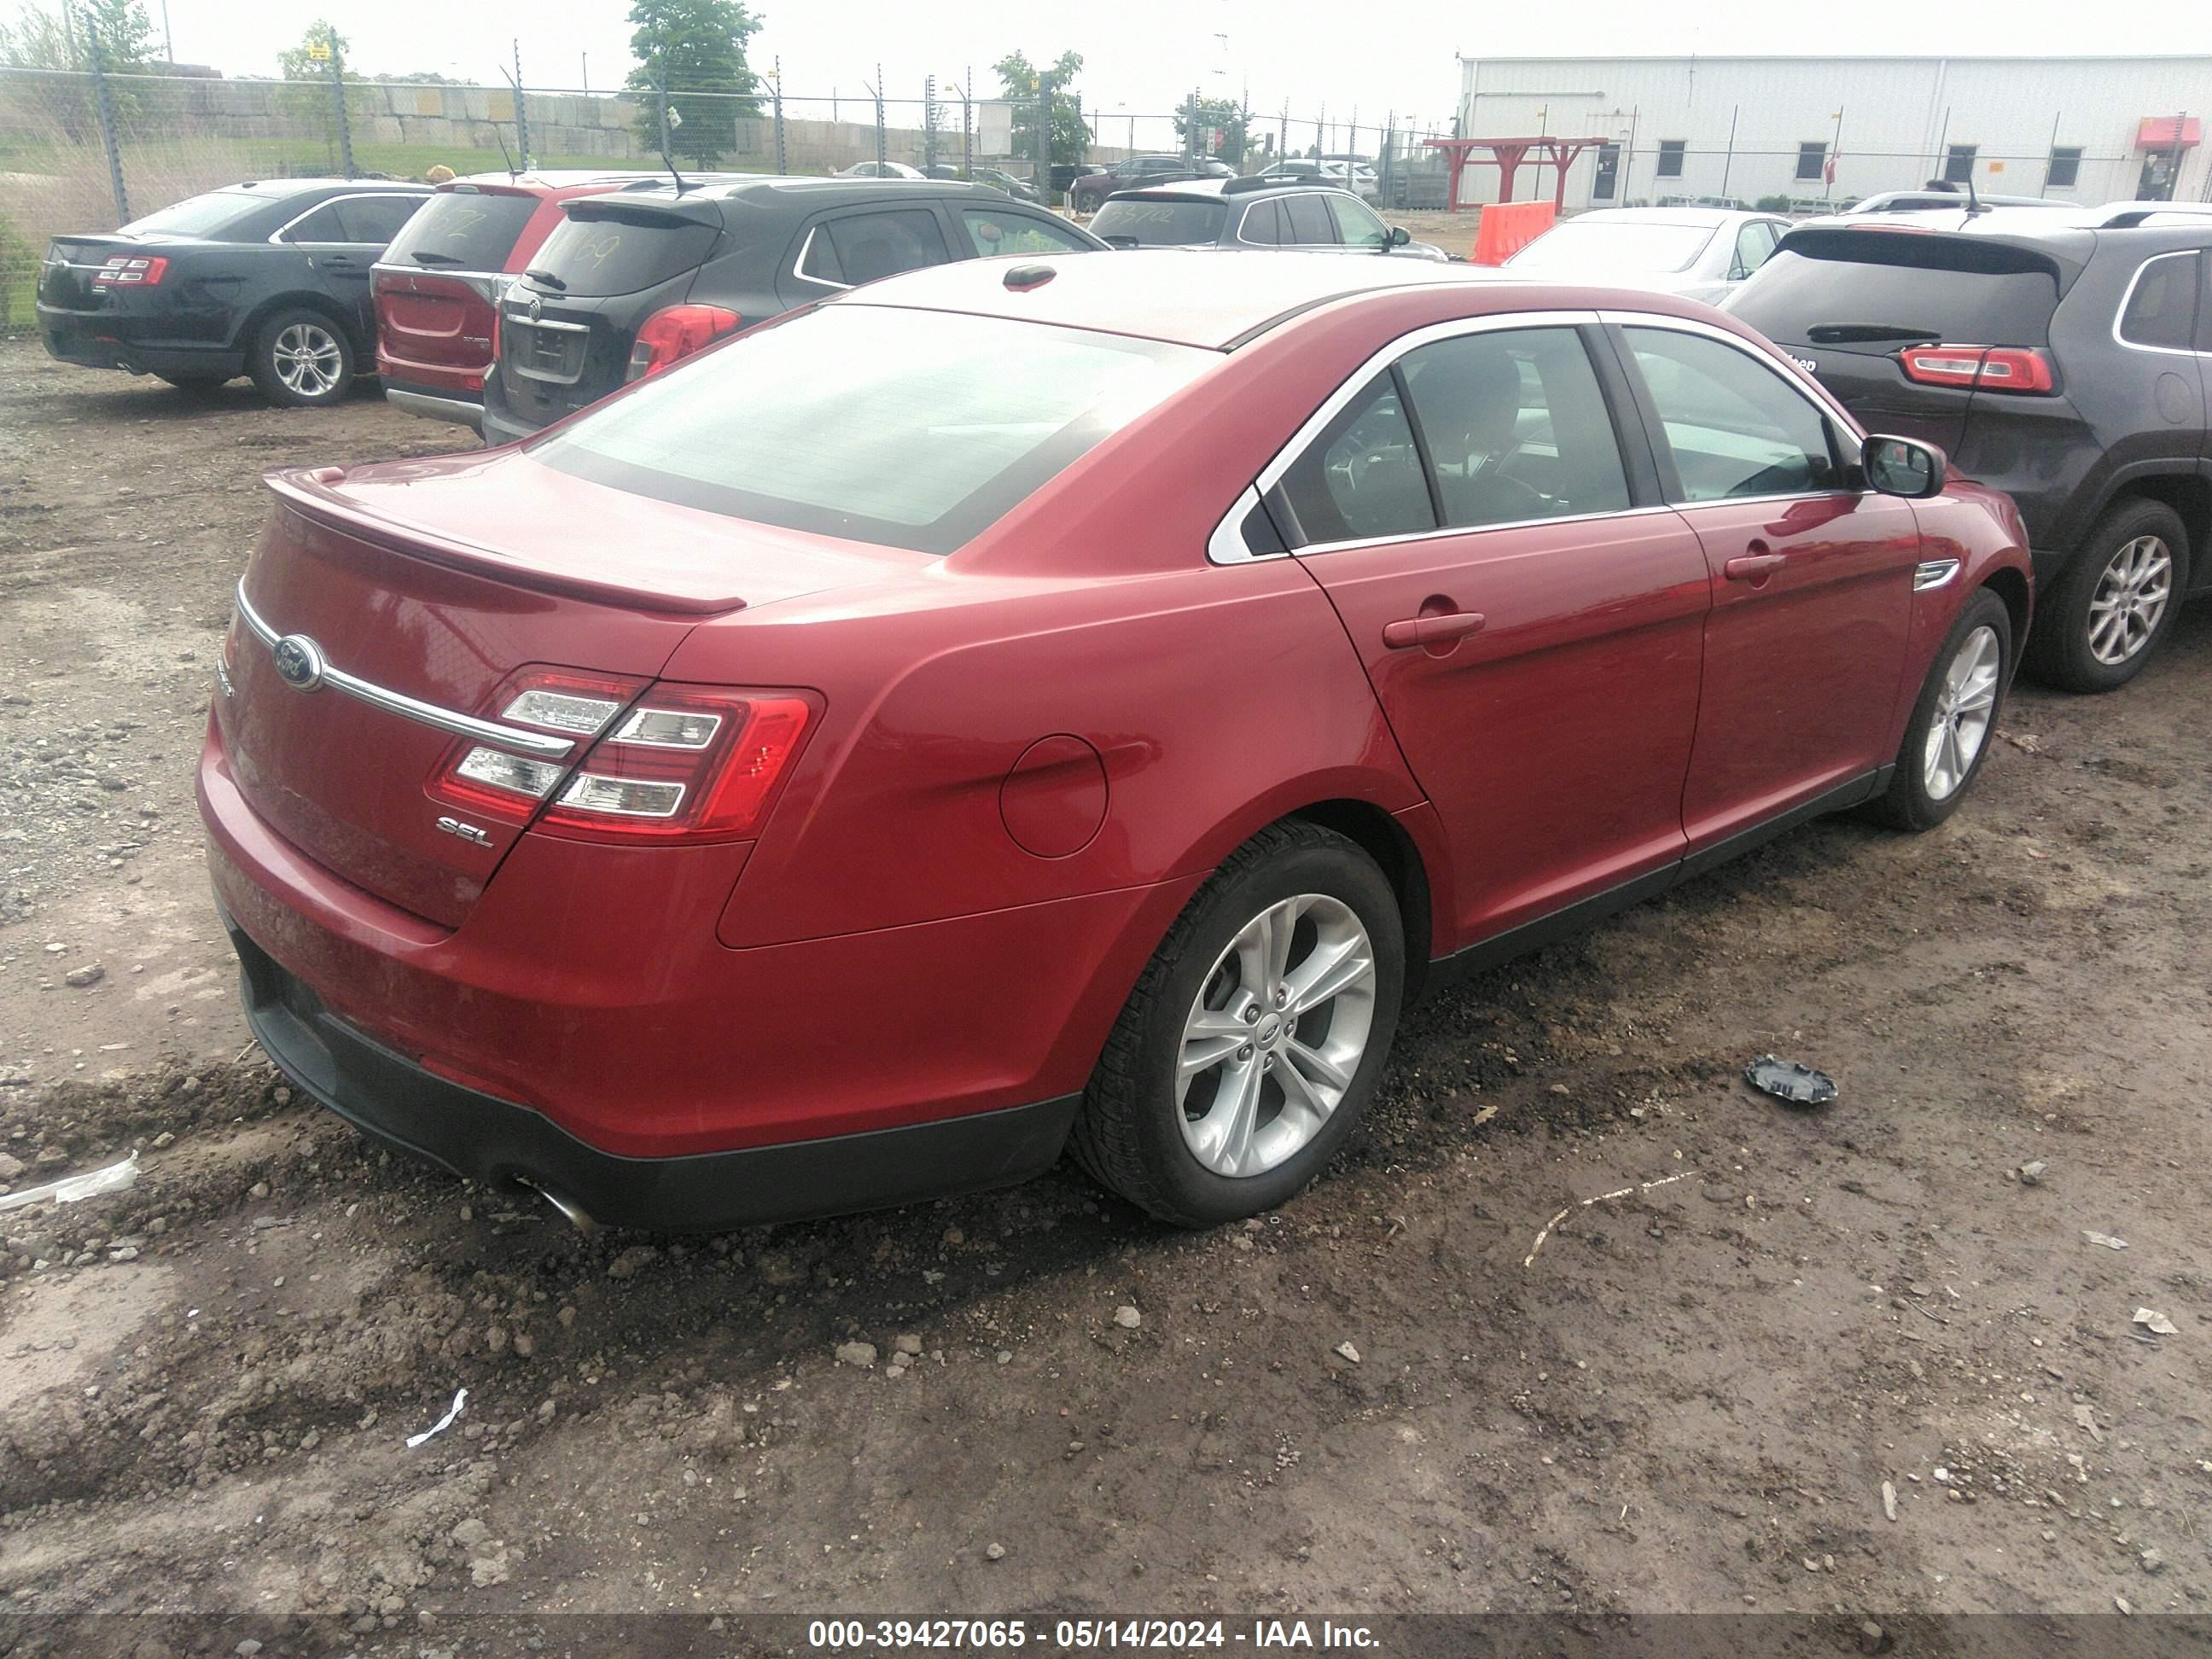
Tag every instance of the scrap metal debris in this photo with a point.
(444, 1423)
(2105, 1239)
(1790, 1080)
(115, 1178)
(2156, 1322)
(1545, 1232)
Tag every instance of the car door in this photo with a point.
(365, 226)
(1812, 578)
(1754, 242)
(1307, 222)
(1356, 227)
(1528, 614)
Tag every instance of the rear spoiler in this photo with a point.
(650, 215)
(1922, 248)
(308, 491)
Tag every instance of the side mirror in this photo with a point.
(1903, 466)
(1399, 236)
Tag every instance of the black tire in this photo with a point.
(274, 361)
(1910, 803)
(2059, 649)
(1127, 1133)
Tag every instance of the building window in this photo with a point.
(1670, 157)
(1608, 173)
(1959, 164)
(2066, 169)
(1810, 156)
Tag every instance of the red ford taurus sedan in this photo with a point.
(1024, 705)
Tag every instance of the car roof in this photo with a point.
(1209, 297)
(282, 189)
(554, 177)
(1697, 217)
(771, 186)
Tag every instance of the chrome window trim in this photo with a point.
(523, 320)
(277, 235)
(1226, 545)
(390, 269)
(534, 743)
(2120, 313)
(799, 265)
(1410, 537)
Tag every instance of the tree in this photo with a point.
(57, 40)
(308, 105)
(695, 51)
(300, 63)
(1230, 118)
(1017, 85)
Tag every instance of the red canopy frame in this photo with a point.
(1506, 154)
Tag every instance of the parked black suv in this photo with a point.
(2060, 357)
(269, 279)
(1252, 213)
(638, 278)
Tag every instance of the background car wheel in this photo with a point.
(1955, 721)
(302, 359)
(1256, 1035)
(2113, 607)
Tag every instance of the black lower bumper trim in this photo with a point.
(396, 1101)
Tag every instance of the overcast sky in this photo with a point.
(1142, 55)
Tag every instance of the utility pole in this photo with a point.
(1728, 167)
(1043, 180)
(584, 68)
(878, 89)
(168, 44)
(106, 105)
(337, 91)
(782, 165)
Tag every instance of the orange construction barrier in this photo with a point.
(1506, 228)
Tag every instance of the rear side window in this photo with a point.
(1735, 426)
(991, 232)
(2161, 308)
(459, 231)
(1362, 476)
(1159, 224)
(1882, 290)
(373, 221)
(1309, 220)
(1262, 225)
(217, 216)
(873, 423)
(862, 247)
(1516, 427)
(610, 254)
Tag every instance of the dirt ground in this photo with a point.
(1744, 1323)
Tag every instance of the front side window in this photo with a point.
(1362, 476)
(1355, 226)
(1516, 427)
(1753, 243)
(1670, 157)
(373, 221)
(320, 226)
(1735, 426)
(1811, 155)
(2162, 309)
(873, 423)
(994, 232)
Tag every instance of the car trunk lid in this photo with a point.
(66, 277)
(443, 621)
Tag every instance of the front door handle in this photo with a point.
(1415, 631)
(1754, 568)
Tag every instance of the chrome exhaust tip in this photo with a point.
(568, 1207)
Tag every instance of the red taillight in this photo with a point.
(660, 762)
(1985, 368)
(676, 333)
(124, 269)
(683, 762)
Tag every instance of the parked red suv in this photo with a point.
(1036, 701)
(437, 286)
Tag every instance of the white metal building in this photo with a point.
(1834, 129)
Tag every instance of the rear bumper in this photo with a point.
(476, 1136)
(459, 407)
(499, 428)
(73, 336)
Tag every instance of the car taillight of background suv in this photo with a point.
(2056, 355)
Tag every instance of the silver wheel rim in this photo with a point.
(1963, 709)
(309, 360)
(1275, 1035)
(2132, 597)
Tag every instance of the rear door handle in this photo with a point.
(1415, 631)
(1754, 566)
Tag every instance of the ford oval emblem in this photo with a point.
(299, 662)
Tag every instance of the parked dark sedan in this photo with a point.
(633, 282)
(269, 279)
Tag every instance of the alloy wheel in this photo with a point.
(1964, 708)
(309, 360)
(2132, 597)
(1275, 1035)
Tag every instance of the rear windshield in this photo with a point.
(909, 429)
(1159, 224)
(1879, 291)
(621, 254)
(463, 230)
(209, 216)
(1596, 245)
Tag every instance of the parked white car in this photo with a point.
(881, 170)
(1700, 253)
(1345, 174)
